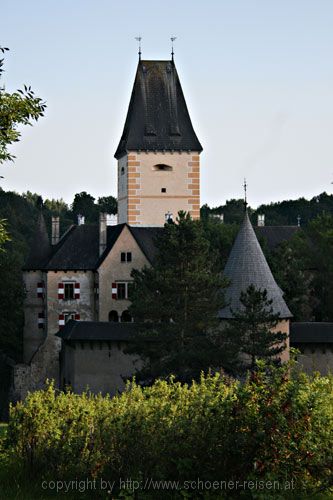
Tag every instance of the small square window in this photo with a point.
(69, 291)
(68, 316)
(126, 257)
(163, 190)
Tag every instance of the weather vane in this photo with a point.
(138, 39)
(245, 193)
(172, 38)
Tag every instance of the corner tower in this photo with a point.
(159, 152)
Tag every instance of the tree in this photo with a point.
(293, 278)
(177, 301)
(107, 204)
(19, 108)
(248, 337)
(83, 204)
(3, 234)
(317, 248)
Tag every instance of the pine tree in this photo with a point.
(176, 302)
(250, 335)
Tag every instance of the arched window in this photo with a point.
(160, 167)
(126, 317)
(113, 316)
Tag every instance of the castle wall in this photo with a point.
(99, 366)
(33, 336)
(83, 306)
(284, 327)
(112, 270)
(316, 357)
(140, 186)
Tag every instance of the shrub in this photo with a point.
(275, 426)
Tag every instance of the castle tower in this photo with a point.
(247, 266)
(158, 154)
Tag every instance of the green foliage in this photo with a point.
(11, 300)
(107, 204)
(248, 337)
(19, 108)
(282, 213)
(3, 233)
(176, 301)
(293, 277)
(276, 426)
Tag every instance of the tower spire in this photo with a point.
(245, 193)
(138, 39)
(172, 38)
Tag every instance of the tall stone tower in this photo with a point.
(158, 154)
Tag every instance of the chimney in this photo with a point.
(80, 220)
(112, 219)
(261, 220)
(55, 230)
(102, 232)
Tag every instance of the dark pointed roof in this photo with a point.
(157, 117)
(78, 248)
(247, 266)
(40, 249)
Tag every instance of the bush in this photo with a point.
(273, 427)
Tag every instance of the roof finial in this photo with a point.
(172, 38)
(245, 194)
(138, 39)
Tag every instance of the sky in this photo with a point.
(257, 77)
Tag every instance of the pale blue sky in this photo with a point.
(257, 76)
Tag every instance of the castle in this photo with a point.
(84, 275)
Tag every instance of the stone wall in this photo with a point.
(97, 366)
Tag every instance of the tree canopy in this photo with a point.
(177, 301)
(251, 336)
(18, 108)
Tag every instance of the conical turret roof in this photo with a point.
(40, 249)
(247, 266)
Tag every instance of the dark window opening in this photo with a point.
(126, 257)
(69, 291)
(126, 317)
(121, 291)
(113, 317)
(161, 167)
(163, 190)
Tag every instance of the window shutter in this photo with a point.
(61, 321)
(60, 291)
(77, 317)
(40, 289)
(41, 320)
(77, 291)
(114, 291)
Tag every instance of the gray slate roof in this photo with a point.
(40, 250)
(157, 117)
(274, 235)
(311, 333)
(97, 330)
(247, 266)
(78, 249)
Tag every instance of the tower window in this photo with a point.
(161, 167)
(163, 190)
(122, 171)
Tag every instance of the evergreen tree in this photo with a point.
(248, 337)
(176, 302)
